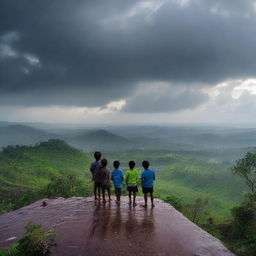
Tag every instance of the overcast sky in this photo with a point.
(112, 61)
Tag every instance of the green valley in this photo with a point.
(29, 169)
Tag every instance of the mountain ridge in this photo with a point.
(17, 134)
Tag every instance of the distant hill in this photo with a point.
(225, 140)
(2, 123)
(99, 140)
(30, 168)
(210, 138)
(22, 135)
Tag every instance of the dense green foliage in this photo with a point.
(241, 235)
(35, 242)
(246, 168)
(50, 168)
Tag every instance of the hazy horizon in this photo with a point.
(106, 126)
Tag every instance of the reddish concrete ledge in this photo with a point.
(86, 227)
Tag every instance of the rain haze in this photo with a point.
(164, 61)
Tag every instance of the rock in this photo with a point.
(44, 204)
(86, 227)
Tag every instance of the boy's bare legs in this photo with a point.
(134, 198)
(118, 194)
(95, 190)
(145, 200)
(152, 199)
(98, 188)
(103, 195)
(130, 197)
(109, 194)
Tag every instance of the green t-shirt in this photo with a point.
(132, 177)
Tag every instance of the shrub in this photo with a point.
(175, 202)
(62, 186)
(35, 242)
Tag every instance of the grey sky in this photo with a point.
(155, 56)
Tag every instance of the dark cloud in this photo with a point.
(148, 101)
(91, 52)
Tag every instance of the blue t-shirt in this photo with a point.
(117, 177)
(147, 178)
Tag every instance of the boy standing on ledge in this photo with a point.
(131, 180)
(117, 178)
(105, 179)
(93, 168)
(147, 180)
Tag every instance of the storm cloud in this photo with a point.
(89, 53)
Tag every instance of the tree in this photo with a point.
(246, 168)
(198, 209)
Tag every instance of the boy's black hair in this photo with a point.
(145, 164)
(116, 164)
(104, 162)
(131, 164)
(97, 155)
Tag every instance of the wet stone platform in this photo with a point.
(87, 227)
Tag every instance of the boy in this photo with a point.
(117, 177)
(94, 166)
(105, 179)
(131, 181)
(147, 178)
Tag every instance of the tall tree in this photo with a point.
(246, 168)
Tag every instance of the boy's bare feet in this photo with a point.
(104, 201)
(152, 205)
(144, 206)
(134, 204)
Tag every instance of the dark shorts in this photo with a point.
(132, 188)
(105, 185)
(147, 190)
(97, 184)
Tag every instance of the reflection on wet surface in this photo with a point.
(112, 220)
(86, 227)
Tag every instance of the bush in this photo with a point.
(239, 233)
(9, 252)
(64, 187)
(35, 242)
(175, 202)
